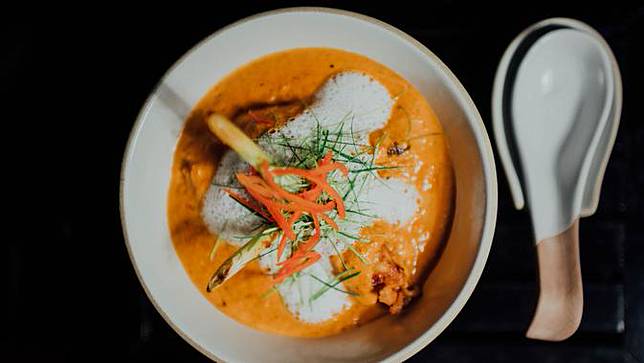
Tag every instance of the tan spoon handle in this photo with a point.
(561, 297)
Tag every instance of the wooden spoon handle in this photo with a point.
(561, 300)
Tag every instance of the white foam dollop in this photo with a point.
(392, 200)
(223, 215)
(296, 293)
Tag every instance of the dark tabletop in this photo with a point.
(74, 83)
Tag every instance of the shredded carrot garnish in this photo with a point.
(311, 194)
(286, 208)
(303, 203)
(291, 220)
(329, 221)
(317, 179)
(296, 266)
(323, 169)
(248, 204)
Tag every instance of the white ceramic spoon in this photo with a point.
(561, 103)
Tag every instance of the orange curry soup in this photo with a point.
(287, 76)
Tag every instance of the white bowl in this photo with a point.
(146, 172)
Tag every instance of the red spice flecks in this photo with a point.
(259, 120)
(278, 202)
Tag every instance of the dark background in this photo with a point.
(73, 81)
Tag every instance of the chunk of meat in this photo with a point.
(390, 282)
(196, 176)
(397, 148)
(257, 119)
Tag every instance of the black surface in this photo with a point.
(73, 85)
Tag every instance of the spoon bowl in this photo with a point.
(562, 99)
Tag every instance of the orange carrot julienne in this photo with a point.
(286, 195)
(273, 208)
(327, 158)
(292, 219)
(287, 271)
(311, 194)
(305, 247)
(248, 204)
(329, 221)
(281, 246)
(319, 181)
(285, 208)
(326, 168)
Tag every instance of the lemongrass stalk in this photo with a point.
(237, 140)
(245, 254)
